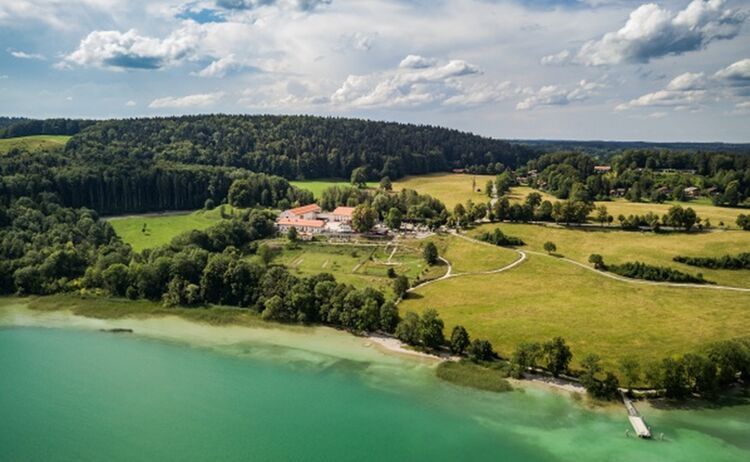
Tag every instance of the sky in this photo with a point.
(672, 70)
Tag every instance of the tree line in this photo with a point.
(731, 262)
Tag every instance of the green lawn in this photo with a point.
(160, 229)
(361, 266)
(546, 297)
(618, 246)
(450, 188)
(33, 143)
(471, 257)
(318, 186)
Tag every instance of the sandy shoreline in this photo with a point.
(323, 341)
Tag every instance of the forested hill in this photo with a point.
(11, 127)
(607, 149)
(295, 147)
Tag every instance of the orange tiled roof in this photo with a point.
(305, 209)
(346, 211)
(302, 223)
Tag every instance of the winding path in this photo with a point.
(606, 273)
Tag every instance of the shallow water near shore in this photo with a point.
(178, 390)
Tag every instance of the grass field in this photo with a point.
(545, 297)
(470, 257)
(33, 143)
(450, 188)
(617, 207)
(361, 266)
(161, 228)
(318, 186)
(618, 246)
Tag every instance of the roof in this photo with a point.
(691, 188)
(305, 209)
(301, 223)
(602, 167)
(346, 211)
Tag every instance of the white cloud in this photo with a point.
(685, 90)
(129, 50)
(23, 55)
(562, 57)
(652, 32)
(689, 90)
(736, 76)
(417, 62)
(555, 95)
(221, 67)
(130, 103)
(406, 86)
(188, 101)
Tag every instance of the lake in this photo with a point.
(70, 392)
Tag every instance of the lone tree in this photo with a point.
(558, 356)
(459, 340)
(385, 184)
(209, 204)
(363, 218)
(480, 350)
(630, 371)
(394, 218)
(431, 329)
(430, 253)
(407, 329)
(359, 177)
(550, 247)
(265, 253)
(597, 260)
(400, 285)
(292, 234)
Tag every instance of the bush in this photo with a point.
(638, 270)
(480, 350)
(497, 237)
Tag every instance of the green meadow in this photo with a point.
(617, 246)
(161, 228)
(318, 186)
(450, 188)
(33, 143)
(545, 297)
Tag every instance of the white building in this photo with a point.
(342, 214)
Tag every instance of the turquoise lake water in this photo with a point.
(82, 395)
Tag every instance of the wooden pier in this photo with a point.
(636, 421)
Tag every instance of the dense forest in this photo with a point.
(295, 147)
(16, 126)
(640, 175)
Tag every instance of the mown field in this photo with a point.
(318, 186)
(33, 143)
(161, 228)
(546, 297)
(618, 246)
(450, 188)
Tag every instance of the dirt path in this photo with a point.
(605, 273)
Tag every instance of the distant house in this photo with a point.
(712, 191)
(619, 192)
(302, 225)
(306, 212)
(691, 191)
(458, 170)
(602, 168)
(342, 214)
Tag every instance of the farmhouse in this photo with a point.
(302, 225)
(342, 214)
(691, 191)
(306, 212)
(602, 168)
